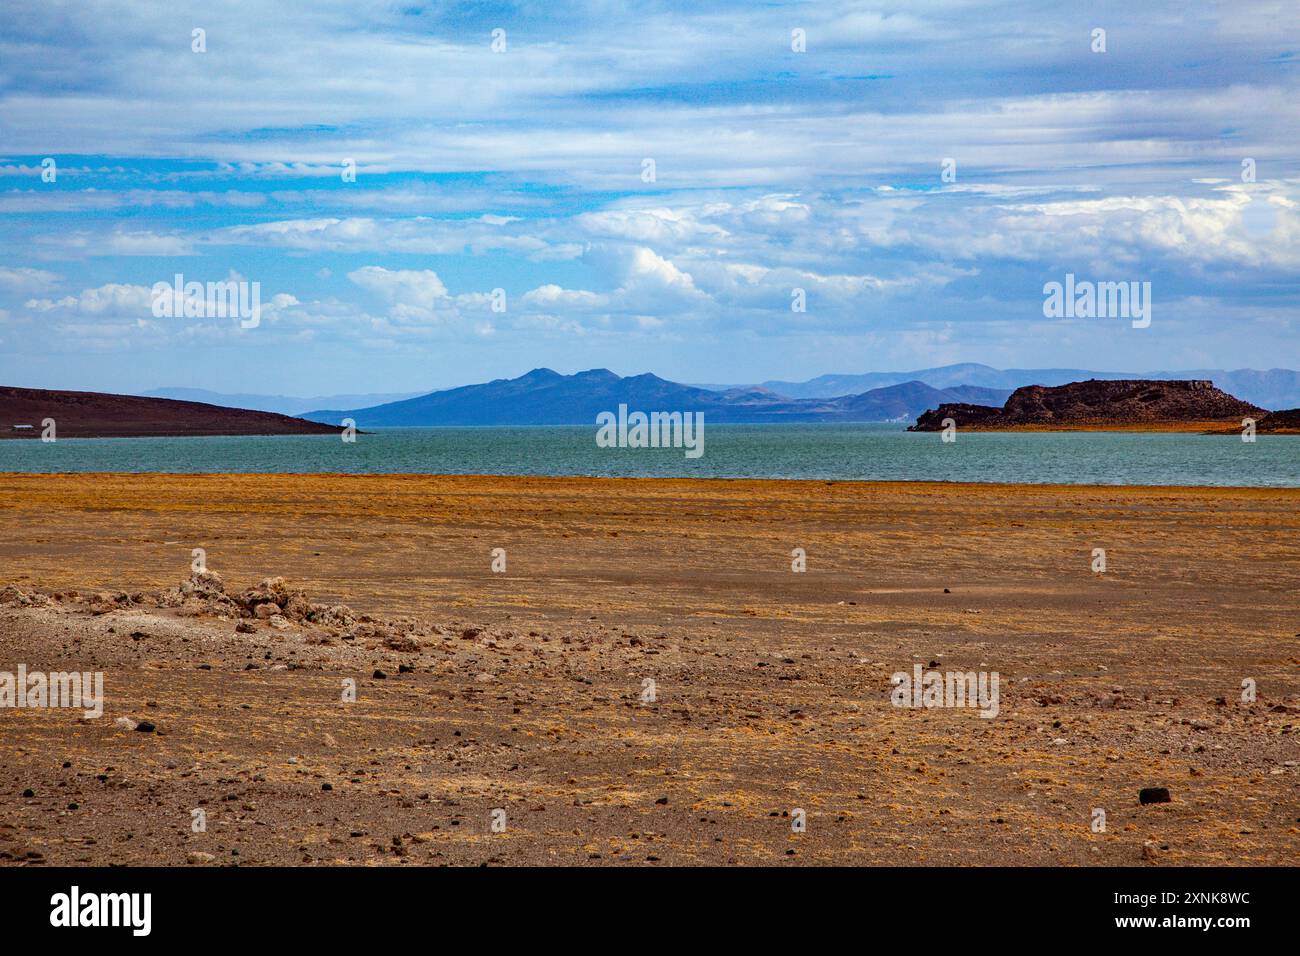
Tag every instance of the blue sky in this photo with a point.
(522, 170)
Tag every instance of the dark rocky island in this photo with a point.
(1285, 422)
(99, 415)
(1096, 405)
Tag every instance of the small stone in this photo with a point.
(379, 675)
(1154, 795)
(29, 792)
(145, 727)
(197, 856)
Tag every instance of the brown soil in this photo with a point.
(772, 687)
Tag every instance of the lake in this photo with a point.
(883, 452)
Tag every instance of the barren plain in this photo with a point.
(525, 690)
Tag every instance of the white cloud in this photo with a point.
(26, 280)
(404, 286)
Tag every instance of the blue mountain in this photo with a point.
(545, 397)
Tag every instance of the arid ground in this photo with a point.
(523, 690)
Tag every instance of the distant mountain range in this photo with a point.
(280, 404)
(545, 397)
(1274, 388)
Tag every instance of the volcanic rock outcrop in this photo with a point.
(1098, 404)
(24, 412)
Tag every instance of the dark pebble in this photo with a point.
(1154, 795)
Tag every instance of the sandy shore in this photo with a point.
(522, 690)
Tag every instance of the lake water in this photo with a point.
(866, 452)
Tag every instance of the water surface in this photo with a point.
(841, 452)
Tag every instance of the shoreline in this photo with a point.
(865, 484)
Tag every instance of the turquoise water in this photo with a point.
(869, 452)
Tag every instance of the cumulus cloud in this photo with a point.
(404, 286)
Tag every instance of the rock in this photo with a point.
(297, 608)
(206, 583)
(269, 592)
(336, 615)
(1119, 401)
(401, 642)
(144, 727)
(278, 621)
(379, 675)
(264, 612)
(1284, 422)
(1154, 795)
(243, 627)
(13, 595)
(197, 856)
(125, 723)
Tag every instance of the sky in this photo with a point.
(640, 187)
